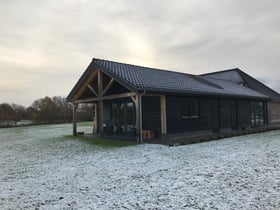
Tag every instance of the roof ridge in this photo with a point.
(222, 71)
(220, 79)
(150, 68)
(209, 76)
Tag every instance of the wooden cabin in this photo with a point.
(136, 102)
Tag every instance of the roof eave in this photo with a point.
(200, 93)
(88, 70)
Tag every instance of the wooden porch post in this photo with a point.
(265, 113)
(100, 117)
(74, 107)
(163, 116)
(100, 102)
(137, 108)
(94, 129)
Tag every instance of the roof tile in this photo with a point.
(157, 80)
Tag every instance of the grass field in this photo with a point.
(44, 167)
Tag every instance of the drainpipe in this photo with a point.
(140, 113)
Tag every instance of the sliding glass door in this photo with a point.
(123, 118)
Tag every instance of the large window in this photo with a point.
(257, 114)
(123, 118)
(189, 108)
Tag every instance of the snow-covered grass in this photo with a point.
(42, 168)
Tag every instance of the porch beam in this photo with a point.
(151, 94)
(108, 87)
(122, 95)
(87, 100)
(163, 114)
(115, 96)
(92, 90)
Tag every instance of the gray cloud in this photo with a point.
(46, 45)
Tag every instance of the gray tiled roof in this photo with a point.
(232, 88)
(156, 80)
(241, 78)
(230, 75)
(139, 78)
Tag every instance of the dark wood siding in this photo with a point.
(151, 114)
(205, 114)
(225, 113)
(173, 119)
(177, 123)
(243, 114)
(215, 115)
(234, 119)
(265, 112)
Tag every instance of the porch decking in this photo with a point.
(207, 135)
(190, 137)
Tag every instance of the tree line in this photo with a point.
(44, 110)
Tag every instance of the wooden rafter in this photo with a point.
(107, 87)
(92, 90)
(133, 99)
(85, 85)
(100, 82)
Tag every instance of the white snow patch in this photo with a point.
(43, 169)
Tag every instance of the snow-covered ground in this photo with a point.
(41, 168)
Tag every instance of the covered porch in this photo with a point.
(117, 108)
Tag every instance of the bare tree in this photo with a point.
(19, 112)
(7, 115)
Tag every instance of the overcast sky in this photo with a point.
(46, 45)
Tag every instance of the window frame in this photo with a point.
(189, 108)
